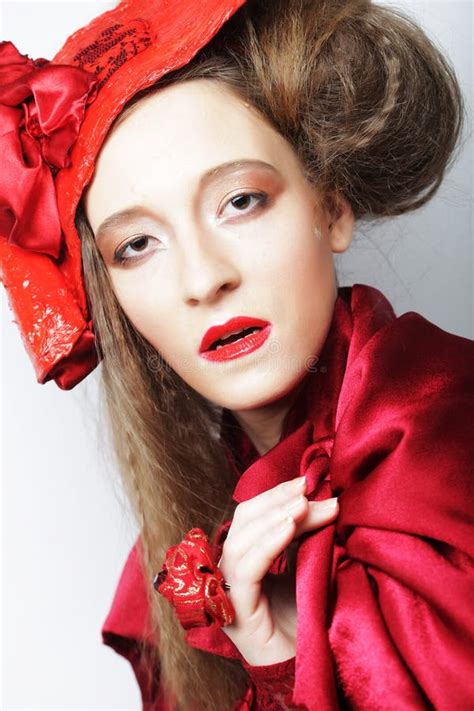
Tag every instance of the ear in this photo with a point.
(341, 223)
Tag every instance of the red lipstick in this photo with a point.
(235, 338)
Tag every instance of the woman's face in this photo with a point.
(216, 221)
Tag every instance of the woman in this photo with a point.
(221, 191)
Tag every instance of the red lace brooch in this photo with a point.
(193, 584)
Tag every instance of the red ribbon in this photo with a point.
(193, 584)
(42, 107)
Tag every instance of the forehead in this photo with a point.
(176, 134)
(193, 103)
(158, 155)
(194, 118)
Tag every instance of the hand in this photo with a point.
(261, 529)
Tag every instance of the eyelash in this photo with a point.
(120, 259)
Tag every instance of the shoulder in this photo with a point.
(127, 630)
(405, 358)
(403, 449)
(129, 614)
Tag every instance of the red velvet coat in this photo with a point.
(384, 594)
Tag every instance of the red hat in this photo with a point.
(54, 117)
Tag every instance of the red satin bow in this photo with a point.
(193, 584)
(41, 110)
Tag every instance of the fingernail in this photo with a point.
(286, 523)
(300, 482)
(295, 505)
(329, 503)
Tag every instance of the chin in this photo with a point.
(258, 392)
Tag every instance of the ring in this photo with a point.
(193, 584)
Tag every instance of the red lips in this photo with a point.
(238, 323)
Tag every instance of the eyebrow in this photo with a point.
(120, 218)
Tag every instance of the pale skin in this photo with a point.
(201, 258)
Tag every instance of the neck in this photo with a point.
(264, 424)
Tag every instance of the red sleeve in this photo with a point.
(127, 630)
(149, 685)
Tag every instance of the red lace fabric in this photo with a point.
(114, 46)
(271, 687)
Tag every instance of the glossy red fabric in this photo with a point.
(54, 117)
(384, 594)
(41, 109)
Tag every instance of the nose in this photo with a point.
(207, 269)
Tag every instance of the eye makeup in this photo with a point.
(244, 200)
(260, 199)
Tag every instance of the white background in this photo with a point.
(66, 529)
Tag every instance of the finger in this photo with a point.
(307, 516)
(248, 558)
(239, 542)
(318, 513)
(245, 574)
(262, 541)
(267, 501)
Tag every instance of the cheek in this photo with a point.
(149, 312)
(288, 240)
(315, 261)
(143, 308)
(298, 255)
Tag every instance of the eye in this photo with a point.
(139, 243)
(242, 201)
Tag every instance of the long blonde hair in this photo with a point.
(374, 111)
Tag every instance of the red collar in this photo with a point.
(359, 312)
